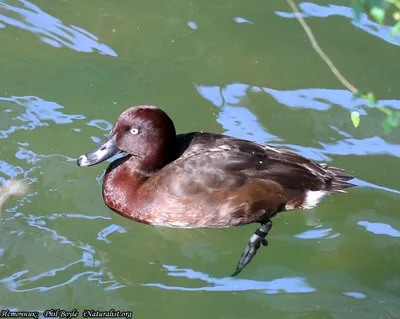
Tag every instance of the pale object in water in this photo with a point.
(12, 188)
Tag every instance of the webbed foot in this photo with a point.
(258, 238)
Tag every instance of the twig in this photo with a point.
(320, 52)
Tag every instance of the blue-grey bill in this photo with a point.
(103, 152)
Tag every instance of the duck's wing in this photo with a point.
(223, 156)
(210, 162)
(220, 181)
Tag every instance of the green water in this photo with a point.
(69, 68)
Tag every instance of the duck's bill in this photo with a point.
(103, 152)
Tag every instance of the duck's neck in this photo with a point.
(121, 187)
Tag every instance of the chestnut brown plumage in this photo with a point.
(207, 180)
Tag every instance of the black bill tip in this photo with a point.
(102, 152)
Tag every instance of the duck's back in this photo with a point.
(209, 162)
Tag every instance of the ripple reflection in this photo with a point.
(29, 112)
(287, 284)
(239, 121)
(314, 10)
(51, 30)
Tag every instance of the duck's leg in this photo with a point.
(259, 237)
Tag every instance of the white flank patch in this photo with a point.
(313, 198)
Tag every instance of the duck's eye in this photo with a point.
(134, 131)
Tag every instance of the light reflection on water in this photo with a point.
(242, 20)
(238, 121)
(380, 228)
(19, 279)
(287, 285)
(314, 10)
(28, 16)
(29, 112)
(317, 233)
(322, 290)
(319, 99)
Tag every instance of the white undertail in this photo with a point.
(313, 198)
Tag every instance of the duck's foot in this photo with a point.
(259, 237)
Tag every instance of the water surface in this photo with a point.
(69, 68)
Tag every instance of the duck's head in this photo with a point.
(145, 132)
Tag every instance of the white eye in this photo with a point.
(134, 131)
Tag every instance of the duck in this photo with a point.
(203, 179)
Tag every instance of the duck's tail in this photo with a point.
(336, 181)
(339, 180)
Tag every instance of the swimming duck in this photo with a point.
(207, 180)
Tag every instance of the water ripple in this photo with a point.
(238, 121)
(355, 294)
(72, 215)
(242, 20)
(16, 281)
(31, 112)
(322, 99)
(192, 25)
(317, 233)
(50, 29)
(351, 146)
(320, 11)
(101, 124)
(102, 235)
(286, 284)
(380, 228)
